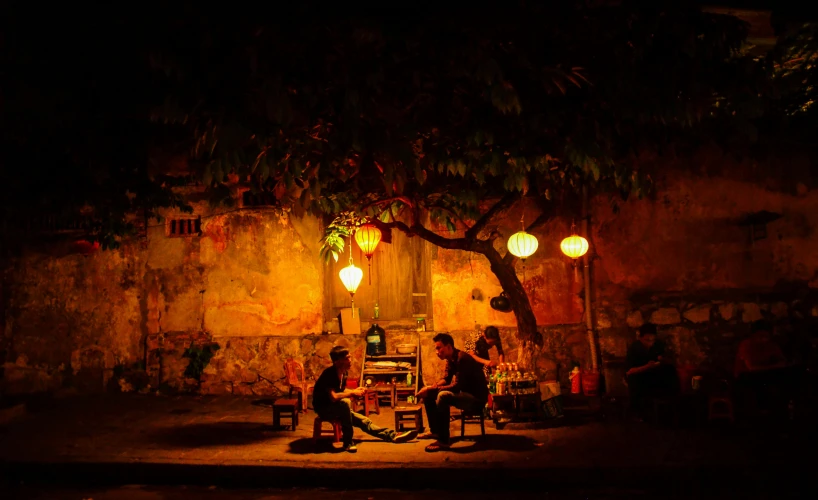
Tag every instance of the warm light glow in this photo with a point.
(368, 236)
(522, 244)
(351, 277)
(574, 246)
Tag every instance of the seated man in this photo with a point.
(649, 374)
(479, 344)
(760, 363)
(331, 402)
(462, 386)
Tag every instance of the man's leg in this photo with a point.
(366, 425)
(445, 400)
(430, 403)
(466, 402)
(342, 412)
(636, 393)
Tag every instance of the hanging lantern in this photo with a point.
(522, 245)
(368, 236)
(351, 278)
(574, 246)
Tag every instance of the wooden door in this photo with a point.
(400, 272)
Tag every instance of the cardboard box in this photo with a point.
(350, 325)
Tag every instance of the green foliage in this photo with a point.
(199, 359)
(384, 116)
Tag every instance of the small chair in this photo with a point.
(318, 430)
(295, 379)
(666, 405)
(406, 415)
(720, 404)
(287, 408)
(472, 418)
(370, 397)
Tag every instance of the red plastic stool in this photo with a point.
(318, 430)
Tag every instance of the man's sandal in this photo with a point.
(438, 446)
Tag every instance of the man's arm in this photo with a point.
(338, 396)
(641, 369)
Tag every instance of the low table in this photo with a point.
(516, 406)
(287, 408)
(408, 414)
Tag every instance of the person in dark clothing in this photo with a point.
(478, 346)
(463, 386)
(649, 375)
(764, 377)
(331, 402)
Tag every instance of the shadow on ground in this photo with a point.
(306, 446)
(495, 442)
(215, 434)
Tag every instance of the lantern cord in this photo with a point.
(351, 294)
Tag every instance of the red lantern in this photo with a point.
(368, 236)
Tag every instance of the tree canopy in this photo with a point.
(407, 114)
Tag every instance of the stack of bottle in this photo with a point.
(511, 379)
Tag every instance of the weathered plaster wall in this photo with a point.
(252, 283)
(77, 316)
(678, 261)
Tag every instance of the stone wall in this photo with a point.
(75, 317)
(252, 283)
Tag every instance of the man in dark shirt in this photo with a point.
(463, 386)
(649, 374)
(331, 402)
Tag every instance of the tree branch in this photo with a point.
(504, 203)
(432, 237)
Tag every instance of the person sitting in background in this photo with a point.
(758, 353)
(463, 386)
(759, 363)
(331, 402)
(478, 346)
(650, 374)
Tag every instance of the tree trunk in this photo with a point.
(526, 322)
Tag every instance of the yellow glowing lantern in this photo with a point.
(522, 245)
(351, 278)
(368, 236)
(574, 246)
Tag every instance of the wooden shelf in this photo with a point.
(388, 372)
(389, 356)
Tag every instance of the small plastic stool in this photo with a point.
(318, 430)
(472, 418)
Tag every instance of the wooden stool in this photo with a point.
(370, 397)
(472, 418)
(287, 408)
(399, 393)
(720, 407)
(671, 405)
(406, 414)
(318, 430)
